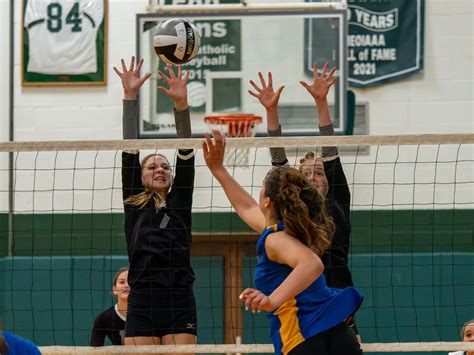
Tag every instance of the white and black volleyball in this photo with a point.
(177, 41)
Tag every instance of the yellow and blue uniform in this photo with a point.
(316, 309)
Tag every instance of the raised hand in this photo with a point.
(321, 84)
(214, 151)
(131, 82)
(256, 300)
(176, 86)
(265, 94)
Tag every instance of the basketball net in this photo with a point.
(233, 126)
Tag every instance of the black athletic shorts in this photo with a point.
(159, 313)
(339, 340)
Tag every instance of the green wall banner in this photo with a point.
(385, 40)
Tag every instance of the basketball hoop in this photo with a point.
(235, 125)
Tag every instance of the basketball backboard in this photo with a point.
(235, 46)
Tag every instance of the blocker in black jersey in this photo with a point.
(109, 324)
(158, 222)
(338, 200)
(159, 239)
(161, 299)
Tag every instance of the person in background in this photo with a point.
(467, 335)
(111, 322)
(306, 317)
(323, 171)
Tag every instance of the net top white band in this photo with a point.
(247, 348)
(260, 142)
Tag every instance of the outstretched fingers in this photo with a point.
(219, 138)
(213, 151)
(325, 69)
(164, 90)
(124, 67)
(270, 79)
(118, 72)
(315, 70)
(305, 85)
(254, 94)
(256, 87)
(280, 89)
(331, 73)
(132, 63)
(262, 80)
(205, 145)
(164, 77)
(139, 66)
(171, 71)
(144, 78)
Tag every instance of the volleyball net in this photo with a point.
(411, 253)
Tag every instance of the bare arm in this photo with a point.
(243, 203)
(306, 265)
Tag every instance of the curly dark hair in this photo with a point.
(301, 207)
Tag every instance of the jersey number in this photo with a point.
(55, 22)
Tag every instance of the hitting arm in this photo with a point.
(243, 203)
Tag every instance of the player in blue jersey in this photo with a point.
(11, 344)
(306, 317)
(325, 172)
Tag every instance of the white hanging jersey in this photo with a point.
(62, 35)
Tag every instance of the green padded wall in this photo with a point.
(54, 300)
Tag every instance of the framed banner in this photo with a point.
(385, 41)
(64, 43)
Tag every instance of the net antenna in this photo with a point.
(235, 125)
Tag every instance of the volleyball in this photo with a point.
(177, 41)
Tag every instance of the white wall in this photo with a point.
(4, 67)
(440, 100)
(4, 99)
